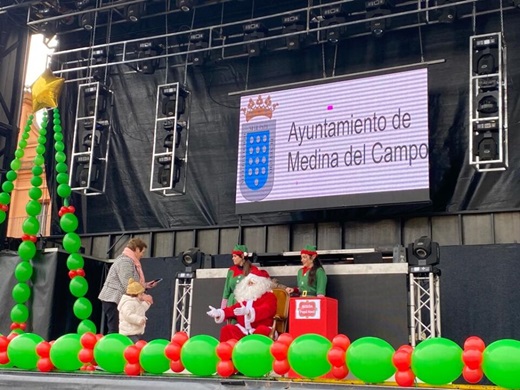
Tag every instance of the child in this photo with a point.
(132, 309)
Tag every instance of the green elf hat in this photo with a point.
(309, 250)
(239, 250)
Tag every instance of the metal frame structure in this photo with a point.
(425, 306)
(182, 302)
(483, 126)
(176, 157)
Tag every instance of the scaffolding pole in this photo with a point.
(182, 301)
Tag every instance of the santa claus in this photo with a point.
(254, 310)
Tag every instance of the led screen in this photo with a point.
(356, 142)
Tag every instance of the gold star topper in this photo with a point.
(46, 91)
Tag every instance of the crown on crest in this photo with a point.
(260, 107)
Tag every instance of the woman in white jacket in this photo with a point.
(132, 309)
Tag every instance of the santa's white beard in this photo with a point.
(245, 291)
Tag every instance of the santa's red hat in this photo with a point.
(260, 273)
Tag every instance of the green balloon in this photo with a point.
(86, 326)
(109, 352)
(59, 146)
(42, 139)
(38, 159)
(60, 157)
(82, 308)
(78, 286)
(21, 293)
(33, 207)
(19, 153)
(36, 181)
(16, 163)
(8, 186)
(40, 149)
(2, 216)
(58, 137)
(62, 178)
(22, 351)
(64, 190)
(64, 352)
(37, 170)
(501, 363)
(31, 226)
(27, 249)
(23, 271)
(43, 131)
(437, 361)
(61, 167)
(152, 357)
(307, 355)
(22, 144)
(199, 356)
(370, 359)
(5, 198)
(69, 222)
(75, 261)
(71, 242)
(11, 175)
(35, 193)
(19, 313)
(252, 355)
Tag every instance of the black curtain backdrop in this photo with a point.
(455, 185)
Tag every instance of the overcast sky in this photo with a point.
(37, 59)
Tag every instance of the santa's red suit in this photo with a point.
(253, 316)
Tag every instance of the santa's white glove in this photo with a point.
(241, 311)
(215, 313)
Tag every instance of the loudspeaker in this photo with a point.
(423, 252)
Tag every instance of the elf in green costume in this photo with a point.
(240, 269)
(311, 279)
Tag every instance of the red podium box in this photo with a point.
(313, 315)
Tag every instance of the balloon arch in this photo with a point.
(436, 361)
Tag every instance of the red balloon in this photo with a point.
(131, 354)
(176, 366)
(80, 272)
(180, 338)
(337, 356)
(407, 348)
(132, 369)
(72, 274)
(474, 342)
(99, 336)
(88, 340)
(86, 355)
(472, 358)
(173, 351)
(285, 338)
(405, 378)
(224, 351)
(22, 326)
(44, 364)
(4, 359)
(90, 367)
(13, 326)
(140, 344)
(4, 342)
(43, 349)
(341, 341)
(279, 350)
(281, 367)
(472, 375)
(232, 342)
(339, 372)
(225, 368)
(5, 207)
(71, 209)
(402, 360)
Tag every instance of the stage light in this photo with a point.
(169, 103)
(89, 100)
(133, 12)
(333, 16)
(82, 171)
(165, 171)
(293, 24)
(252, 32)
(186, 5)
(446, 14)
(423, 252)
(378, 8)
(485, 55)
(487, 103)
(48, 29)
(191, 257)
(147, 50)
(485, 140)
(86, 20)
(199, 40)
(515, 3)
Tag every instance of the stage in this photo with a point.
(22, 380)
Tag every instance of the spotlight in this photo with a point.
(485, 140)
(169, 103)
(84, 4)
(293, 24)
(485, 55)
(423, 252)
(82, 171)
(86, 20)
(89, 100)
(446, 14)
(186, 5)
(378, 8)
(198, 41)
(165, 171)
(252, 32)
(47, 29)
(192, 257)
(147, 50)
(487, 103)
(332, 16)
(133, 12)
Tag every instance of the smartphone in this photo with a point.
(157, 280)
